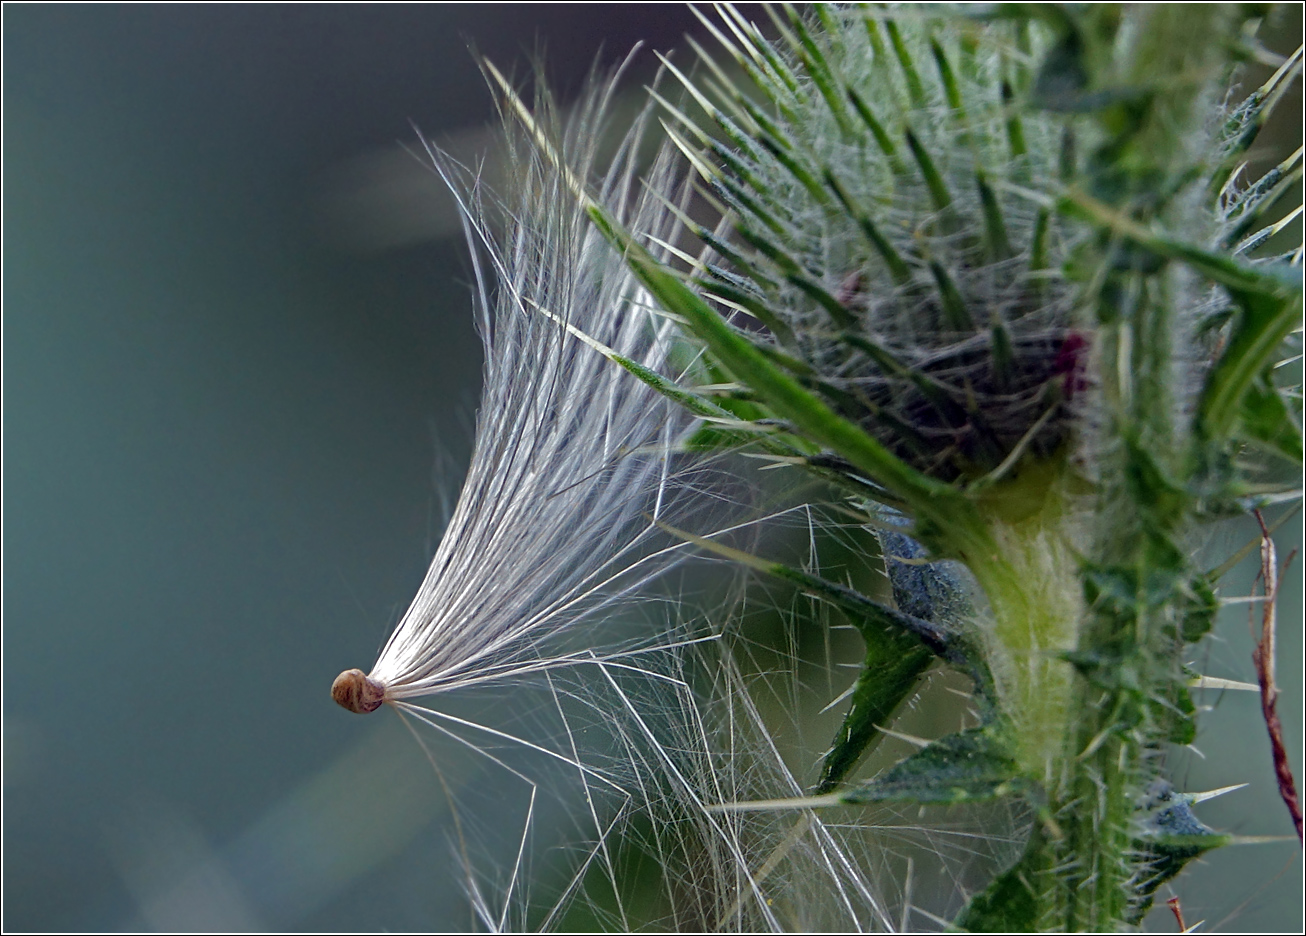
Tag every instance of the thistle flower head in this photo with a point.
(878, 218)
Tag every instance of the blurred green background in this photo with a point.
(239, 373)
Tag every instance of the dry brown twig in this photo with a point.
(1263, 658)
(1173, 903)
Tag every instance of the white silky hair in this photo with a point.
(572, 456)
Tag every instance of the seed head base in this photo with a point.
(355, 690)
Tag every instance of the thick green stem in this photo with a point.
(1036, 600)
(1104, 769)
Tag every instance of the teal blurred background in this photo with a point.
(239, 374)
(237, 342)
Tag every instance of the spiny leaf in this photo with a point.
(1172, 836)
(898, 268)
(969, 766)
(1010, 904)
(1246, 122)
(1258, 240)
(736, 165)
(708, 107)
(840, 313)
(939, 194)
(1262, 186)
(1265, 321)
(773, 63)
(1038, 247)
(746, 41)
(819, 70)
(891, 670)
(882, 139)
(955, 313)
(893, 666)
(787, 159)
(725, 82)
(1257, 212)
(914, 87)
(1015, 129)
(693, 402)
(996, 245)
(746, 267)
(734, 194)
(752, 304)
(706, 171)
(1266, 418)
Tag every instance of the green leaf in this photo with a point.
(898, 268)
(1267, 318)
(1266, 418)
(882, 139)
(914, 87)
(955, 313)
(1008, 905)
(894, 662)
(1172, 836)
(968, 766)
(1199, 608)
(939, 194)
(996, 244)
(894, 665)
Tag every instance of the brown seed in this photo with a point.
(354, 690)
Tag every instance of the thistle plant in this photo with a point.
(997, 274)
(995, 284)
